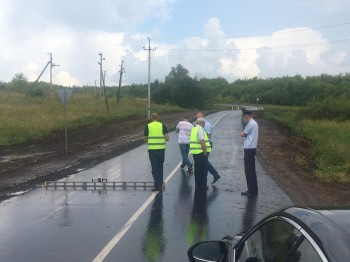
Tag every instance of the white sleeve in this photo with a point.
(200, 134)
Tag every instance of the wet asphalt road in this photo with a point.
(101, 225)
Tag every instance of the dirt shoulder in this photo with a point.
(285, 156)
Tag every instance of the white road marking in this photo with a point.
(217, 121)
(114, 241)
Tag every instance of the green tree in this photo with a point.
(180, 89)
(19, 82)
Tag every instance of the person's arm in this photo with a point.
(177, 128)
(145, 134)
(165, 132)
(202, 141)
(208, 129)
(246, 130)
(204, 148)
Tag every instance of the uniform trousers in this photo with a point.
(156, 157)
(200, 169)
(210, 167)
(249, 168)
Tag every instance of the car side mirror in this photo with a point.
(210, 251)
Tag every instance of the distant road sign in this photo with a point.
(64, 94)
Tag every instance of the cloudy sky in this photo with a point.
(211, 38)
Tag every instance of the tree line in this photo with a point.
(178, 88)
(182, 90)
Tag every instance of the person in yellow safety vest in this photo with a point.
(208, 128)
(199, 148)
(156, 135)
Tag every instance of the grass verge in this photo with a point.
(330, 141)
(24, 118)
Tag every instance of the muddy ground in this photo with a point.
(285, 156)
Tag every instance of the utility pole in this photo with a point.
(52, 65)
(149, 75)
(101, 77)
(121, 71)
(104, 91)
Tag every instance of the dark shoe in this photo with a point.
(156, 189)
(216, 178)
(248, 193)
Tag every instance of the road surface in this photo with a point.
(130, 224)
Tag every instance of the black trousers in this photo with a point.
(157, 159)
(249, 168)
(200, 169)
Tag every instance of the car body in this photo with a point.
(292, 234)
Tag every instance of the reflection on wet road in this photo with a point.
(76, 225)
(153, 242)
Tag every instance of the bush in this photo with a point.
(331, 108)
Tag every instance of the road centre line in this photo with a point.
(217, 121)
(114, 241)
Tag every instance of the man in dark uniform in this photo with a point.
(156, 135)
(250, 134)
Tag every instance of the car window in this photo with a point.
(305, 253)
(270, 242)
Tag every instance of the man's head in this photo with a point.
(154, 116)
(200, 115)
(247, 114)
(186, 118)
(200, 121)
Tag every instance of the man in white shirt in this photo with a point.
(209, 130)
(250, 134)
(184, 128)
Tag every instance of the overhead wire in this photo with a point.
(341, 41)
(280, 31)
(331, 42)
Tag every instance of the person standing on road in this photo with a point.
(184, 128)
(209, 130)
(199, 148)
(156, 135)
(250, 134)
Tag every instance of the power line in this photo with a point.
(341, 41)
(259, 35)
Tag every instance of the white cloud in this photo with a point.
(30, 71)
(65, 79)
(75, 32)
(213, 28)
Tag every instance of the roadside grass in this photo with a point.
(24, 118)
(330, 141)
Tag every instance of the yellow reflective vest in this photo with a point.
(195, 146)
(156, 138)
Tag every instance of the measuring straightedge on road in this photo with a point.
(102, 183)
